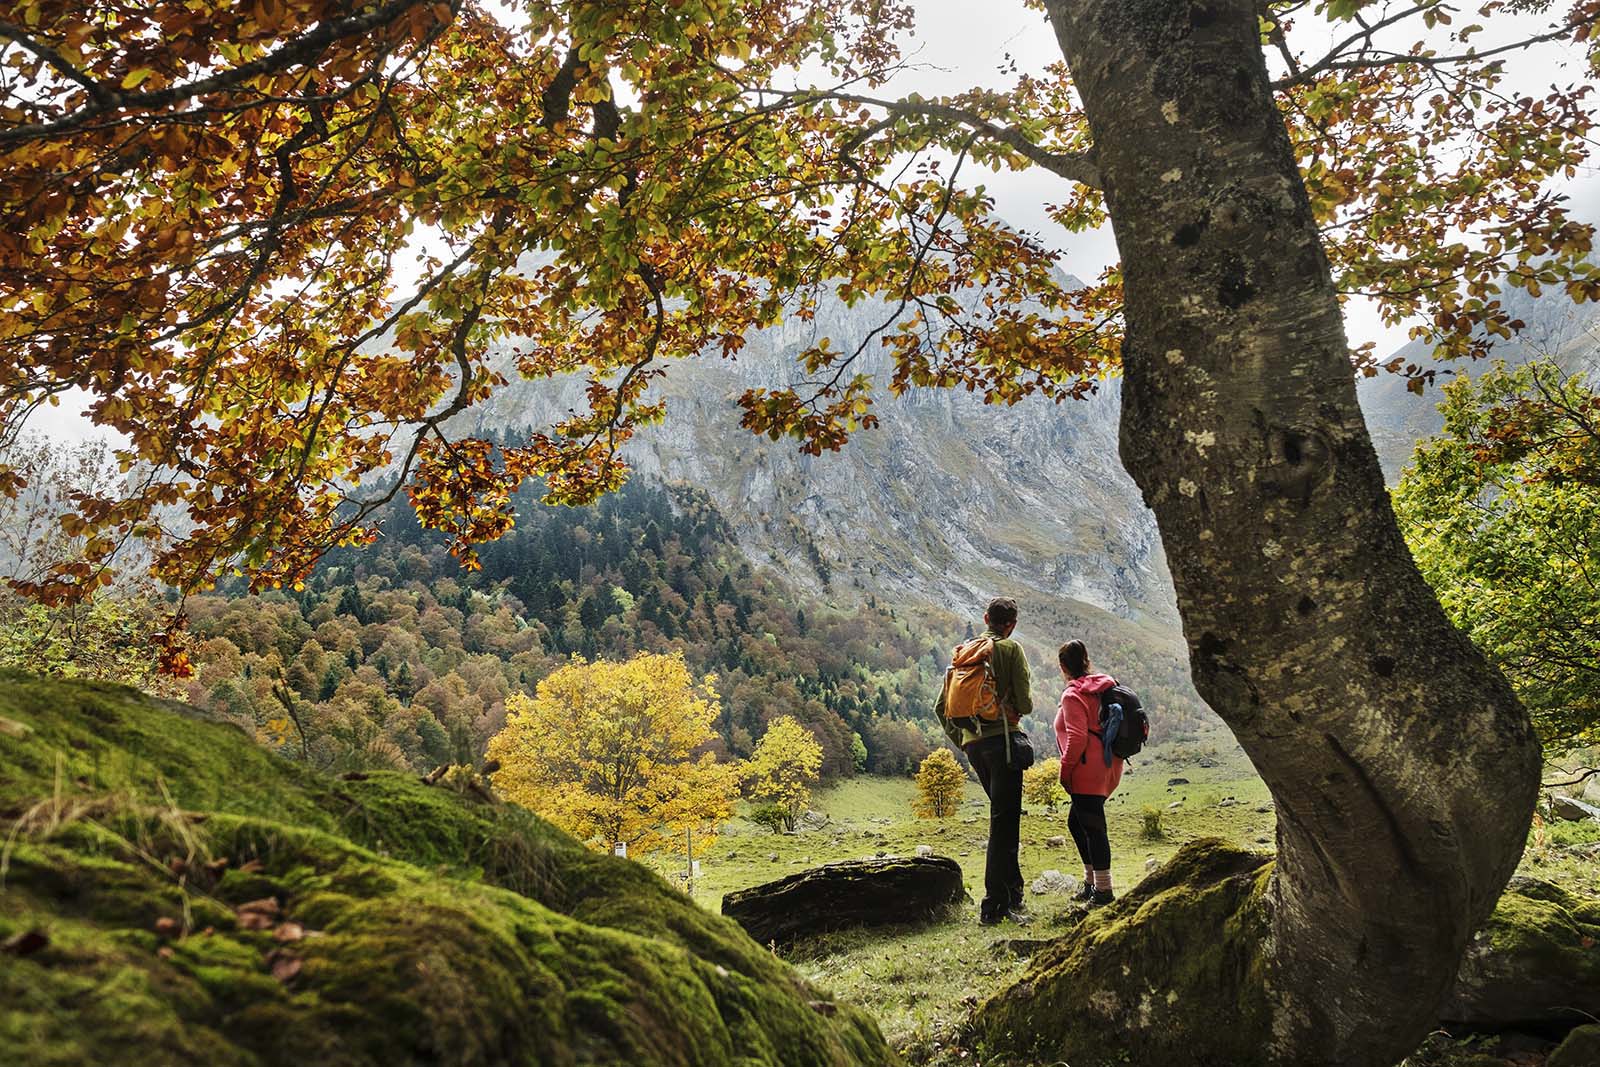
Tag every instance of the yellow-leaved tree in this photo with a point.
(1041, 784)
(606, 752)
(940, 781)
(784, 767)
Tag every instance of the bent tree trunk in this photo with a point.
(1403, 768)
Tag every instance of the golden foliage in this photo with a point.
(270, 242)
(784, 767)
(1041, 784)
(940, 781)
(606, 751)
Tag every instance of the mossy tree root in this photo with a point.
(1178, 972)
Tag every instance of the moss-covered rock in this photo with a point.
(1174, 972)
(1536, 962)
(171, 888)
(1140, 981)
(1580, 1049)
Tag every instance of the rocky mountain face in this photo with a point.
(947, 503)
(951, 501)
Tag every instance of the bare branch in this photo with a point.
(1363, 60)
(101, 95)
(1591, 772)
(1074, 166)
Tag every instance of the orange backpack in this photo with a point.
(972, 694)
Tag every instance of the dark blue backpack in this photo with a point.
(1124, 726)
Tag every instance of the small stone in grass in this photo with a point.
(25, 942)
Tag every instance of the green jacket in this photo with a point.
(1011, 678)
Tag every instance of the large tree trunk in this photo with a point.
(1403, 768)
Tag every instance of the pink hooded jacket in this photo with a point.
(1083, 764)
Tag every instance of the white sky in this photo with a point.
(959, 44)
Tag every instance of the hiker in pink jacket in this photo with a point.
(1085, 773)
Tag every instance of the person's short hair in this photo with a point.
(1074, 658)
(1002, 612)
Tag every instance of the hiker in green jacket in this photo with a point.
(996, 665)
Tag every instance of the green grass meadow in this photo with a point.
(920, 982)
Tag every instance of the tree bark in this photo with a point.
(1403, 767)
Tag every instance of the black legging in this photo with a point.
(1087, 824)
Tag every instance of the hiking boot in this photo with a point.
(1017, 915)
(1085, 891)
(1101, 897)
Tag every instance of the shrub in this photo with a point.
(773, 816)
(1041, 784)
(1150, 827)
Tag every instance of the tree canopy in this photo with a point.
(783, 768)
(1500, 510)
(280, 245)
(607, 752)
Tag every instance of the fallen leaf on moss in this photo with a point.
(258, 914)
(284, 966)
(289, 932)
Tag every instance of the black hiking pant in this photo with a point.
(1086, 822)
(1002, 875)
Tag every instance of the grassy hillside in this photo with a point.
(921, 983)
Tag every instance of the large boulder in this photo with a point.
(1144, 979)
(1536, 963)
(1580, 1049)
(838, 896)
(176, 894)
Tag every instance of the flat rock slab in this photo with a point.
(839, 896)
(1572, 809)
